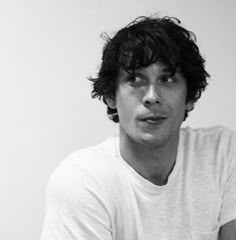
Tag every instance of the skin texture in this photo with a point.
(150, 147)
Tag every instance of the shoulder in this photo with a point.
(92, 158)
(206, 131)
(210, 151)
(87, 168)
(75, 191)
(211, 137)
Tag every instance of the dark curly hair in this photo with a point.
(140, 44)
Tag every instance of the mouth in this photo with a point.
(153, 119)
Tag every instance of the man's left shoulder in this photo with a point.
(210, 148)
(209, 135)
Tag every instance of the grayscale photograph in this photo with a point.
(118, 120)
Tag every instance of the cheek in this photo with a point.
(126, 107)
(123, 107)
(181, 107)
(177, 102)
(126, 101)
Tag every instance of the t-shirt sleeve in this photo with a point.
(76, 207)
(228, 209)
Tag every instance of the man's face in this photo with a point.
(151, 104)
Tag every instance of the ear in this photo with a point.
(111, 102)
(189, 106)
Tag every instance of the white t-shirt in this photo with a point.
(95, 195)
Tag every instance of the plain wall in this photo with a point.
(47, 50)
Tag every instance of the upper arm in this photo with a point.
(228, 208)
(228, 231)
(76, 207)
(228, 205)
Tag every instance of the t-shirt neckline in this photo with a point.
(144, 183)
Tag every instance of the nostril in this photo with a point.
(151, 99)
(149, 102)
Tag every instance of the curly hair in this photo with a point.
(143, 42)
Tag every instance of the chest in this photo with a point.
(184, 209)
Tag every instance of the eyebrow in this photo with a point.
(165, 70)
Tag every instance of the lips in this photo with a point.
(153, 119)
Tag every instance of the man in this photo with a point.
(155, 180)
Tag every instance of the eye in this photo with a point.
(134, 79)
(167, 79)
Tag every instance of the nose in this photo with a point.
(152, 96)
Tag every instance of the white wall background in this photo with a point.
(47, 49)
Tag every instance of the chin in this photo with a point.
(151, 140)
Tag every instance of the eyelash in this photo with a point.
(164, 79)
(168, 78)
(132, 78)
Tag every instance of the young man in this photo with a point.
(155, 180)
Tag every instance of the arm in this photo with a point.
(76, 207)
(228, 209)
(228, 231)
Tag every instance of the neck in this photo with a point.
(153, 162)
